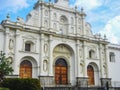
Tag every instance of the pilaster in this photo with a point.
(42, 16)
(50, 17)
(41, 53)
(77, 59)
(84, 59)
(100, 60)
(83, 22)
(106, 61)
(76, 23)
(50, 56)
(17, 35)
(6, 42)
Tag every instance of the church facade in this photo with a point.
(57, 46)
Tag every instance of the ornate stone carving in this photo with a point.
(46, 23)
(45, 48)
(11, 44)
(55, 26)
(81, 67)
(45, 65)
(105, 69)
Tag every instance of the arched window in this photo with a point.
(63, 24)
(29, 46)
(112, 57)
(91, 54)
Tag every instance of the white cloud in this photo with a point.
(13, 5)
(112, 30)
(89, 4)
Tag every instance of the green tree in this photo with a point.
(5, 66)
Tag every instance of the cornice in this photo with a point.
(113, 47)
(37, 30)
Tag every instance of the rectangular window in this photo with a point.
(27, 46)
(112, 57)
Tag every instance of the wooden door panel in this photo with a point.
(60, 75)
(25, 72)
(90, 73)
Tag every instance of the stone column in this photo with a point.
(106, 61)
(83, 81)
(84, 59)
(83, 21)
(100, 60)
(76, 24)
(50, 17)
(41, 53)
(42, 15)
(50, 56)
(6, 42)
(51, 74)
(77, 59)
(16, 59)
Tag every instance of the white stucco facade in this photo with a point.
(57, 31)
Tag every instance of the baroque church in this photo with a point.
(56, 45)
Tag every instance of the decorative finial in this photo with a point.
(105, 37)
(76, 7)
(18, 18)
(99, 35)
(82, 9)
(41, 0)
(8, 16)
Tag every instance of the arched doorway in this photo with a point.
(90, 73)
(25, 69)
(61, 72)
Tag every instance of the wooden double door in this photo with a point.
(90, 73)
(61, 72)
(26, 69)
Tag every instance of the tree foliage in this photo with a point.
(5, 66)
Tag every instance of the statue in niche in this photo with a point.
(55, 16)
(45, 48)
(80, 53)
(81, 68)
(45, 66)
(46, 23)
(55, 26)
(11, 44)
(105, 69)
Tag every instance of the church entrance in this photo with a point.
(61, 72)
(90, 73)
(25, 69)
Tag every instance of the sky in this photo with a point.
(103, 15)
